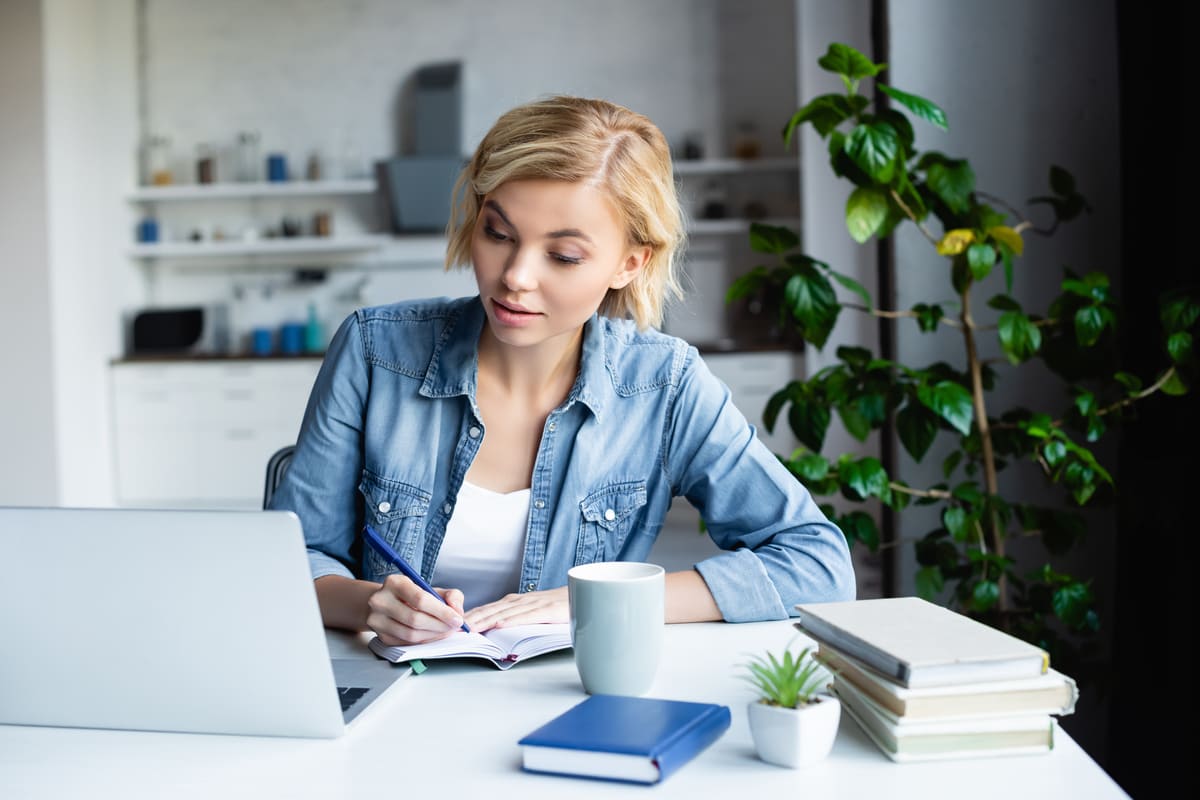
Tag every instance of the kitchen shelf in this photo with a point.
(284, 246)
(226, 191)
(724, 166)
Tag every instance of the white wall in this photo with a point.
(90, 105)
(28, 457)
(1045, 94)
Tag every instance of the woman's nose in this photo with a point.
(520, 273)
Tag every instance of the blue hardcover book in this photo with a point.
(634, 739)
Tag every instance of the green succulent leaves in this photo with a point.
(788, 680)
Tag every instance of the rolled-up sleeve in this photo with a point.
(779, 547)
(321, 482)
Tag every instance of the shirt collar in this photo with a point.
(454, 366)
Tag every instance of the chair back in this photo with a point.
(277, 464)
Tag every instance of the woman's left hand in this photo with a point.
(521, 609)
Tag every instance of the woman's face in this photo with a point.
(545, 253)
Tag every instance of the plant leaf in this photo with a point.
(810, 298)
(845, 60)
(952, 180)
(1019, 337)
(981, 257)
(955, 241)
(951, 402)
(809, 421)
(873, 146)
(919, 106)
(854, 286)
(866, 210)
(772, 239)
(1088, 325)
(1008, 237)
(917, 429)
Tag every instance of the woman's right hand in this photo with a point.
(401, 612)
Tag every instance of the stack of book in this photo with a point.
(925, 682)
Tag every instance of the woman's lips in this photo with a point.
(513, 314)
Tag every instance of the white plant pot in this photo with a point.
(795, 737)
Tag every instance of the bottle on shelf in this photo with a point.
(247, 157)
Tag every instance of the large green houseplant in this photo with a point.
(978, 240)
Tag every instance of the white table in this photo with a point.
(451, 732)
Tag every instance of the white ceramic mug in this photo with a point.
(617, 615)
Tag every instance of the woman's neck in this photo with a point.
(542, 374)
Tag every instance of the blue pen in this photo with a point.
(384, 549)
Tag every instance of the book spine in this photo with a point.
(692, 741)
(861, 649)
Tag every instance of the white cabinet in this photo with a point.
(199, 434)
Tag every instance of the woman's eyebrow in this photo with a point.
(494, 206)
(565, 233)
(570, 233)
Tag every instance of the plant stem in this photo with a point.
(879, 312)
(941, 494)
(1149, 390)
(991, 534)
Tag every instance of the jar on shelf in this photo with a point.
(247, 157)
(746, 144)
(206, 164)
(156, 159)
(714, 202)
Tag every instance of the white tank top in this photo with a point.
(484, 545)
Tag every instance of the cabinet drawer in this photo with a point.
(210, 396)
(188, 467)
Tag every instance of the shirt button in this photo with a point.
(473, 432)
(446, 508)
(530, 586)
(385, 507)
(609, 514)
(552, 426)
(539, 503)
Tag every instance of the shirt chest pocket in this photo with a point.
(396, 511)
(607, 516)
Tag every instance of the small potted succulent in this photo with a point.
(795, 719)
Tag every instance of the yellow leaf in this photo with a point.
(955, 241)
(1008, 237)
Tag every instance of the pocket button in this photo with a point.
(385, 507)
(609, 514)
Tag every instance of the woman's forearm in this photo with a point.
(688, 598)
(343, 601)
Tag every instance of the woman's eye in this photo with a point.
(560, 258)
(494, 234)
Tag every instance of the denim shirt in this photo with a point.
(392, 426)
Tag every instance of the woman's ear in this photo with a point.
(635, 261)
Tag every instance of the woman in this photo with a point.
(497, 440)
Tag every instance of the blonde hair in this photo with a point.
(577, 139)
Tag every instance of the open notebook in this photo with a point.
(504, 647)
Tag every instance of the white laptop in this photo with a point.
(170, 620)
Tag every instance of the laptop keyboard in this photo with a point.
(350, 695)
